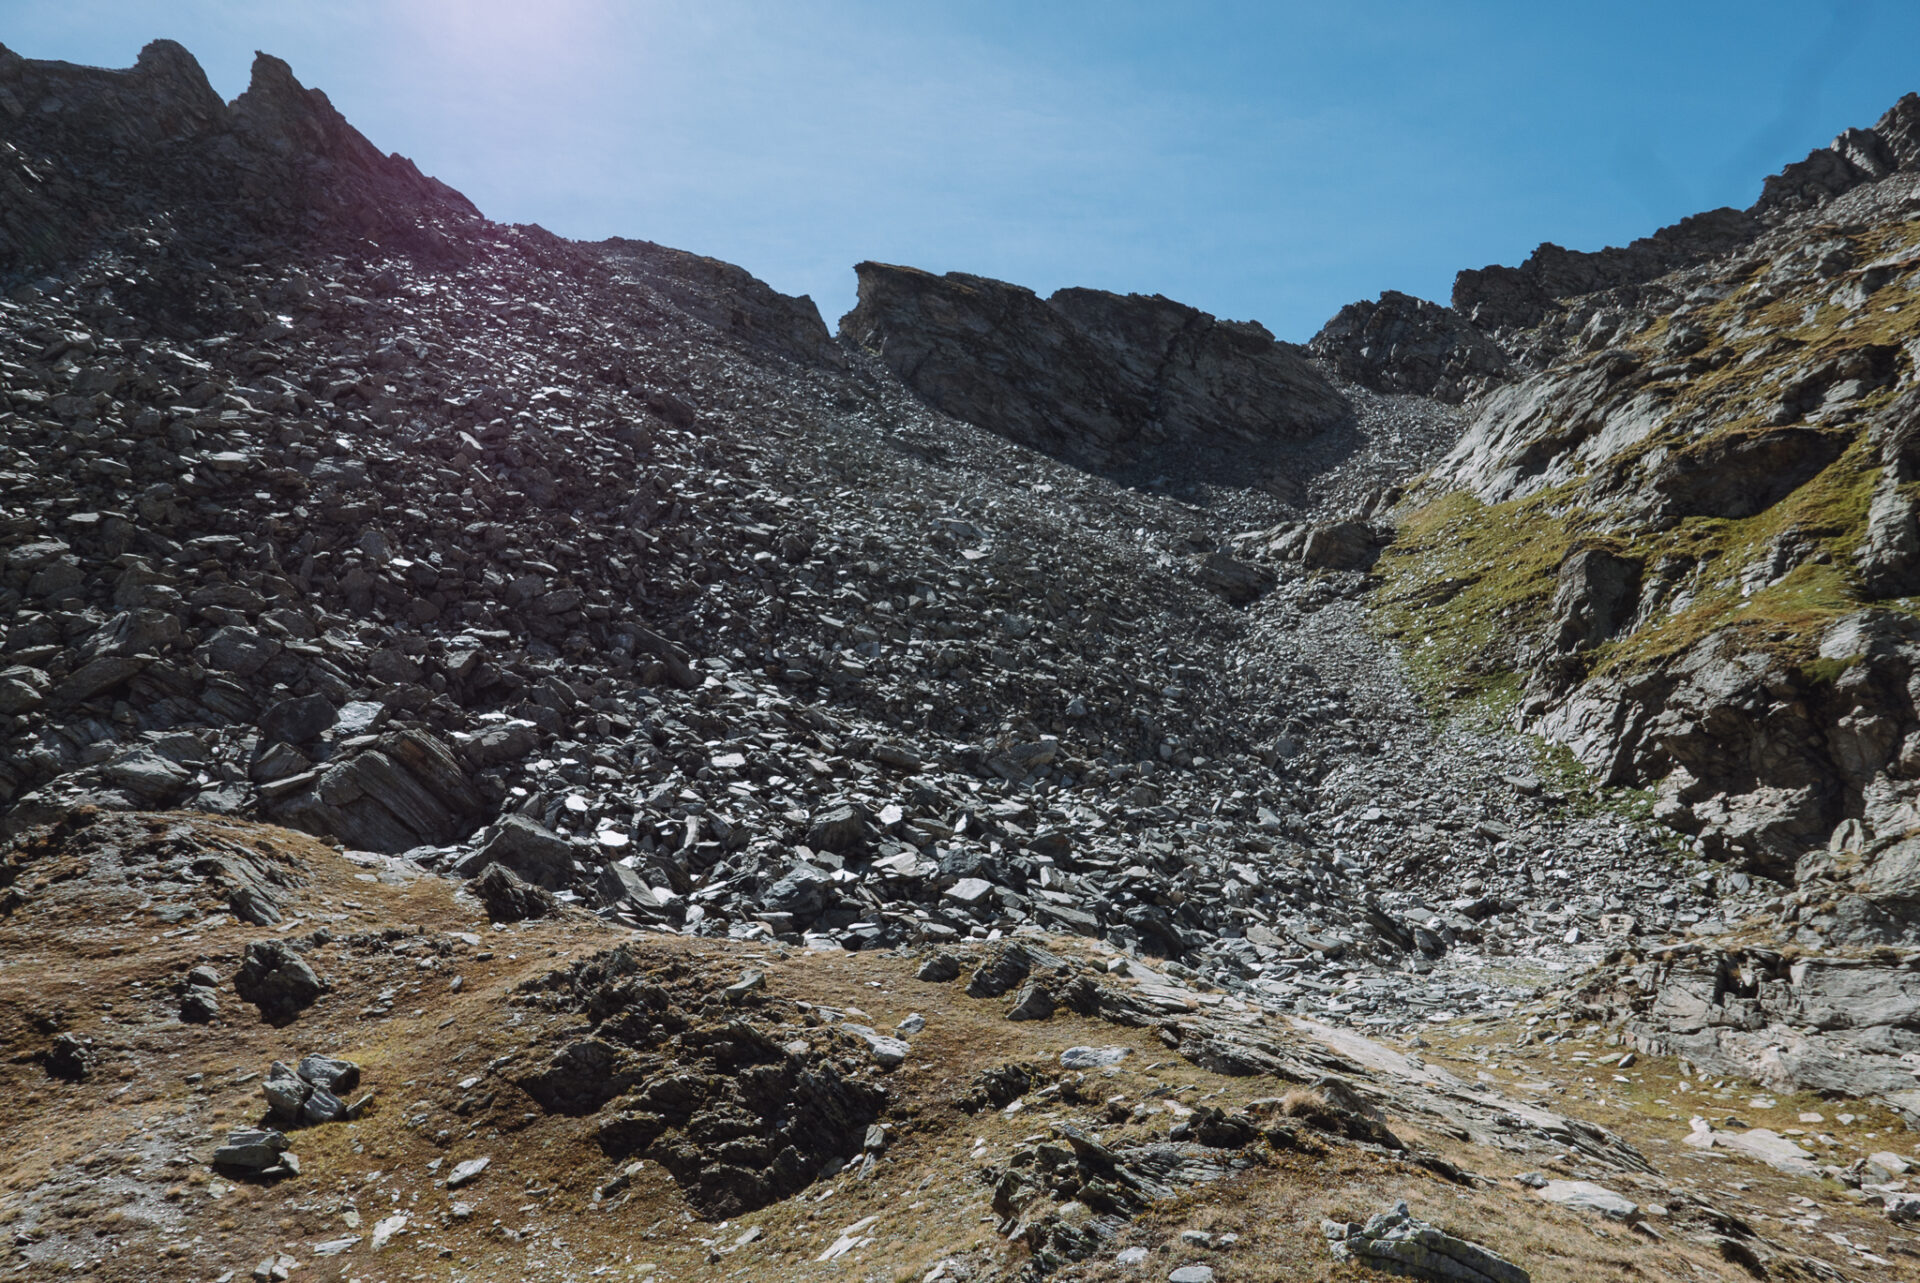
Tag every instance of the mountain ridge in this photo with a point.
(594, 606)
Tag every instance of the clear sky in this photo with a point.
(1268, 161)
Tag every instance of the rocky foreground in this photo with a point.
(602, 601)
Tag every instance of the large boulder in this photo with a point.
(1238, 581)
(404, 790)
(508, 898)
(1342, 545)
(527, 848)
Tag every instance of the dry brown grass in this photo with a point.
(535, 1214)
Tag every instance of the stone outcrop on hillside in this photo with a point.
(1737, 453)
(1102, 380)
(1838, 1026)
(1560, 303)
(1406, 344)
(730, 299)
(1519, 298)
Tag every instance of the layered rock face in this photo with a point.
(1561, 303)
(1102, 380)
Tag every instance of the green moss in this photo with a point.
(1562, 772)
(1467, 587)
(1462, 581)
(1786, 617)
(1826, 672)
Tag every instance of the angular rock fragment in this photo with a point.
(251, 1149)
(939, 969)
(526, 848)
(199, 1005)
(1033, 1002)
(507, 898)
(1238, 581)
(468, 1171)
(277, 980)
(999, 972)
(887, 1051)
(1093, 1057)
(297, 721)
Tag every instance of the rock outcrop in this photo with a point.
(1706, 500)
(1106, 381)
(1406, 344)
(1838, 1026)
(744, 1113)
(401, 791)
(1399, 1243)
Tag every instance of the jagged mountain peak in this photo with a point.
(278, 156)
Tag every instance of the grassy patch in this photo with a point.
(1464, 583)
(1467, 588)
(1786, 617)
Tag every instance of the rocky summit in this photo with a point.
(537, 759)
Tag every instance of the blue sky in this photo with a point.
(1266, 161)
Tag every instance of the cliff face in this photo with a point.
(1729, 438)
(1505, 322)
(1104, 380)
(1405, 344)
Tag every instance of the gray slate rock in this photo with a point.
(530, 850)
(403, 791)
(468, 1172)
(297, 721)
(1033, 1002)
(1399, 1244)
(1093, 1057)
(886, 1051)
(1585, 1196)
(508, 898)
(251, 1149)
(277, 980)
(939, 969)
